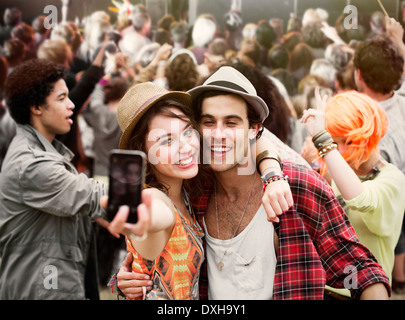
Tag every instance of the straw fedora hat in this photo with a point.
(229, 79)
(138, 99)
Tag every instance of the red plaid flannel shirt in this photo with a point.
(316, 243)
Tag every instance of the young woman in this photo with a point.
(346, 130)
(159, 123)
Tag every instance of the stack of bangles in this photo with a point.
(324, 143)
(275, 174)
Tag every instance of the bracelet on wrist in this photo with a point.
(322, 139)
(326, 149)
(320, 133)
(274, 179)
(316, 165)
(273, 173)
(267, 155)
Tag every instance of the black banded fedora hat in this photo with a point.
(229, 79)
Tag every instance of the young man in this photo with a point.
(46, 207)
(248, 257)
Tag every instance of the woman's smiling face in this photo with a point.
(172, 147)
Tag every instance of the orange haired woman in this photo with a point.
(346, 130)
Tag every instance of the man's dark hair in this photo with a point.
(287, 80)
(380, 63)
(29, 85)
(265, 35)
(278, 57)
(166, 21)
(162, 36)
(115, 89)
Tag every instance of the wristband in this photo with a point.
(322, 139)
(266, 155)
(316, 165)
(274, 173)
(318, 135)
(274, 179)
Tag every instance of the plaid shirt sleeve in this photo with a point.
(318, 244)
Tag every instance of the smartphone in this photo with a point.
(126, 181)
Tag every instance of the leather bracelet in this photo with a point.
(322, 139)
(266, 155)
(318, 135)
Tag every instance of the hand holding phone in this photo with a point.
(119, 224)
(126, 181)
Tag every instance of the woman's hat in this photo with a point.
(229, 79)
(138, 99)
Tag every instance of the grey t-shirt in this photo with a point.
(392, 145)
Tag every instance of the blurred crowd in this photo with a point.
(285, 61)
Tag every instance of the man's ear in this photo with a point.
(359, 81)
(254, 130)
(35, 110)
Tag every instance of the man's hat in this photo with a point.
(229, 79)
(137, 101)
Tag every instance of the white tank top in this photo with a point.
(248, 265)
